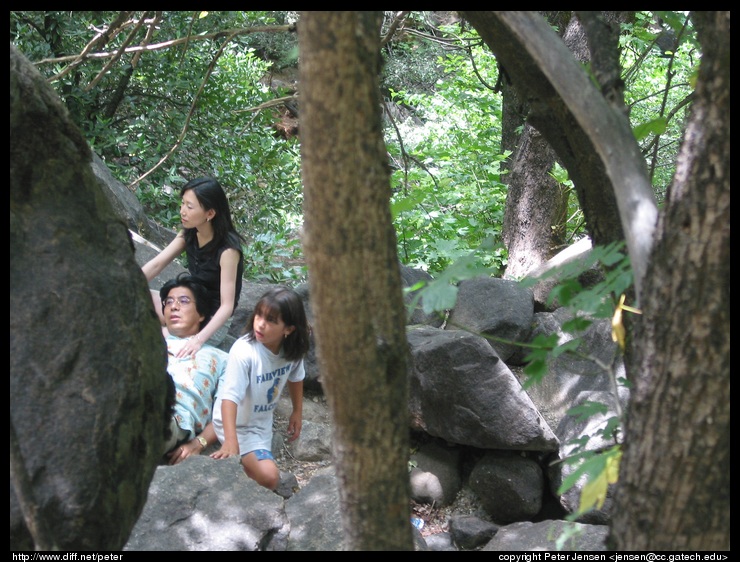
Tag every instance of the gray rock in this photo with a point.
(436, 475)
(495, 307)
(314, 514)
(87, 402)
(553, 535)
(206, 504)
(470, 532)
(462, 392)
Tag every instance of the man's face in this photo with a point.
(180, 314)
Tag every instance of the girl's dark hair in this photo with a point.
(200, 294)
(211, 195)
(284, 303)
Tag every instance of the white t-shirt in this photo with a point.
(254, 379)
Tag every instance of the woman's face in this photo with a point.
(192, 213)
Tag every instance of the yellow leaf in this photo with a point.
(631, 309)
(594, 493)
(618, 331)
(612, 467)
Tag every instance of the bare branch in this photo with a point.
(149, 34)
(116, 58)
(172, 43)
(399, 18)
(268, 104)
(181, 137)
(100, 39)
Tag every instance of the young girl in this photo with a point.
(214, 254)
(260, 363)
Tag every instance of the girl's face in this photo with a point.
(270, 330)
(192, 213)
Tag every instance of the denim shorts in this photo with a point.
(262, 454)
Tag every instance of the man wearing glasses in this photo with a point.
(196, 378)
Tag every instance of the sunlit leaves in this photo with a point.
(450, 196)
(653, 127)
(593, 300)
(599, 471)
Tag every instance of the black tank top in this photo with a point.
(204, 266)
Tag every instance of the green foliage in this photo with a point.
(410, 64)
(274, 257)
(447, 181)
(162, 203)
(448, 194)
(166, 104)
(659, 84)
(655, 127)
(600, 468)
(598, 300)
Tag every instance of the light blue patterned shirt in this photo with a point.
(196, 382)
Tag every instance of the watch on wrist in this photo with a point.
(202, 440)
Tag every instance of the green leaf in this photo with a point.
(406, 203)
(656, 126)
(586, 410)
(600, 470)
(439, 297)
(577, 324)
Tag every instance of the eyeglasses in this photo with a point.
(183, 300)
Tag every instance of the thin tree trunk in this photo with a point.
(354, 274)
(592, 139)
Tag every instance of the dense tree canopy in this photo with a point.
(227, 83)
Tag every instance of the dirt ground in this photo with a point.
(435, 518)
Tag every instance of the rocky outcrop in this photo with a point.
(87, 395)
(475, 427)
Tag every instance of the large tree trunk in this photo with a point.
(536, 204)
(355, 282)
(674, 484)
(673, 491)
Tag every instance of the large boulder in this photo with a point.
(462, 392)
(499, 308)
(87, 363)
(209, 505)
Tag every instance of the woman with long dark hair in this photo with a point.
(214, 257)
